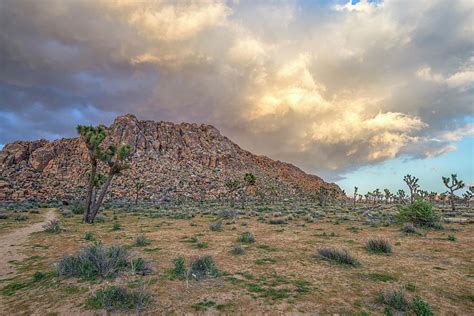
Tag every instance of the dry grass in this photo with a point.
(276, 273)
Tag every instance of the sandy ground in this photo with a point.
(10, 245)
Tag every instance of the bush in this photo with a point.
(379, 246)
(53, 226)
(246, 237)
(38, 276)
(216, 226)
(394, 298)
(277, 221)
(141, 241)
(116, 226)
(77, 209)
(89, 236)
(67, 213)
(338, 256)
(409, 228)
(237, 250)
(3, 216)
(21, 218)
(420, 213)
(114, 298)
(203, 267)
(421, 308)
(140, 266)
(94, 261)
(179, 270)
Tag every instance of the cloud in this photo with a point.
(327, 86)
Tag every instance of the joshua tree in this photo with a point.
(412, 183)
(377, 195)
(467, 197)
(232, 186)
(249, 180)
(355, 195)
(138, 189)
(114, 157)
(323, 195)
(401, 196)
(387, 195)
(453, 184)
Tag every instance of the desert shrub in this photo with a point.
(409, 228)
(34, 212)
(237, 250)
(216, 226)
(53, 226)
(179, 270)
(203, 267)
(338, 256)
(421, 308)
(115, 298)
(277, 221)
(100, 219)
(246, 237)
(452, 238)
(140, 266)
(420, 213)
(38, 276)
(89, 236)
(395, 298)
(94, 261)
(202, 245)
(379, 246)
(21, 218)
(141, 241)
(3, 216)
(116, 226)
(77, 209)
(67, 213)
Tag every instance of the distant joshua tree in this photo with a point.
(387, 195)
(249, 180)
(413, 185)
(323, 195)
(355, 195)
(468, 196)
(232, 186)
(114, 157)
(138, 189)
(453, 184)
(401, 196)
(377, 195)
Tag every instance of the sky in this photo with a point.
(358, 92)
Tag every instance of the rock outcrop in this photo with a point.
(172, 160)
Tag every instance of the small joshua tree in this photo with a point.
(232, 186)
(138, 189)
(388, 195)
(355, 195)
(114, 157)
(249, 180)
(412, 183)
(467, 196)
(401, 196)
(453, 184)
(377, 195)
(323, 196)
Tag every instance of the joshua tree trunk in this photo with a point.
(96, 206)
(90, 189)
(451, 197)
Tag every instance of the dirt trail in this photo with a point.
(10, 245)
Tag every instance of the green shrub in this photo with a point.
(202, 245)
(77, 209)
(21, 218)
(338, 256)
(53, 226)
(237, 250)
(452, 238)
(3, 216)
(94, 261)
(38, 276)
(115, 298)
(246, 237)
(394, 298)
(116, 226)
(179, 270)
(421, 308)
(277, 221)
(420, 213)
(379, 246)
(216, 226)
(140, 266)
(409, 228)
(89, 236)
(203, 267)
(141, 241)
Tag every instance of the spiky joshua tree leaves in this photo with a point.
(232, 186)
(355, 195)
(412, 183)
(113, 156)
(453, 184)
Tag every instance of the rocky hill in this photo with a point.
(172, 160)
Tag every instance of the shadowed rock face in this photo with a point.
(191, 160)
